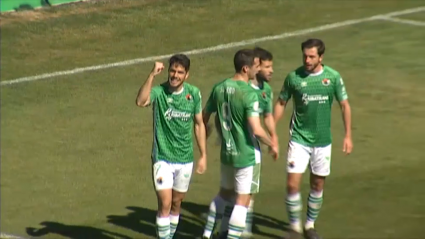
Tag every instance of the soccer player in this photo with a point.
(177, 107)
(313, 88)
(265, 97)
(238, 109)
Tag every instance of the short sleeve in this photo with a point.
(211, 105)
(269, 103)
(340, 91)
(197, 97)
(286, 91)
(252, 105)
(155, 92)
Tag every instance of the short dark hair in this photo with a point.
(244, 57)
(263, 54)
(310, 43)
(180, 59)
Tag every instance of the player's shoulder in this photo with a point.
(296, 73)
(190, 87)
(160, 88)
(247, 90)
(192, 90)
(220, 84)
(331, 71)
(266, 86)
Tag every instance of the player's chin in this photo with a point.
(175, 82)
(309, 67)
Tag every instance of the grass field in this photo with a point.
(75, 150)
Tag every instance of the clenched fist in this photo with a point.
(157, 68)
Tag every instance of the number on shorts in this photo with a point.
(227, 116)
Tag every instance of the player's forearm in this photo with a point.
(144, 92)
(346, 115)
(201, 138)
(279, 110)
(271, 127)
(262, 136)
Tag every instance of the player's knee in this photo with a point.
(176, 202)
(317, 183)
(292, 187)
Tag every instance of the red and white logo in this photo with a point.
(326, 82)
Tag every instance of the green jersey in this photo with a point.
(235, 101)
(173, 116)
(265, 97)
(313, 95)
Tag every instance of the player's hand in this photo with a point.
(157, 68)
(275, 140)
(274, 151)
(202, 165)
(347, 145)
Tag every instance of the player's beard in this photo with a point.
(311, 68)
(261, 77)
(175, 83)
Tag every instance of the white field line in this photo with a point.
(214, 48)
(404, 21)
(9, 236)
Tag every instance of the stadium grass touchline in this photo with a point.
(218, 47)
(404, 21)
(9, 236)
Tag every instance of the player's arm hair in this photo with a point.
(200, 134)
(279, 110)
(270, 126)
(143, 96)
(346, 116)
(258, 130)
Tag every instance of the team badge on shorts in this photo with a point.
(292, 164)
(159, 180)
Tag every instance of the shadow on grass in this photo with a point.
(142, 220)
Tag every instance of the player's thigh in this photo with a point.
(227, 177)
(247, 180)
(321, 161)
(162, 175)
(298, 157)
(183, 176)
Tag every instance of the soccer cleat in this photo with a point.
(311, 234)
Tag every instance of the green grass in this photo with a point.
(415, 16)
(76, 150)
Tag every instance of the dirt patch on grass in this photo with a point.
(70, 9)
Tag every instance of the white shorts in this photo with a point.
(299, 157)
(242, 180)
(169, 175)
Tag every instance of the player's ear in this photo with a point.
(186, 76)
(321, 58)
(244, 69)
